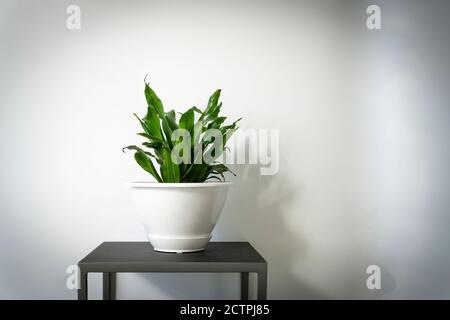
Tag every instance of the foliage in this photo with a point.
(158, 128)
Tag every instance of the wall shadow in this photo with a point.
(258, 209)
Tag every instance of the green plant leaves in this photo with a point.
(212, 102)
(187, 121)
(153, 100)
(197, 110)
(150, 137)
(146, 163)
(158, 127)
(171, 119)
(167, 132)
(196, 173)
(169, 170)
(151, 120)
(152, 145)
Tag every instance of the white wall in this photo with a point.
(364, 151)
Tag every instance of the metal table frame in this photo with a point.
(111, 258)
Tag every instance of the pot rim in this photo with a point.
(150, 185)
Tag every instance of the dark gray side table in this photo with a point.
(112, 257)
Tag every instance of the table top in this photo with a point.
(119, 253)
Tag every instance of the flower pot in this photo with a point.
(179, 217)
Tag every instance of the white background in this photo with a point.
(364, 152)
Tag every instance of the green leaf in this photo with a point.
(213, 113)
(202, 173)
(213, 177)
(167, 132)
(220, 168)
(197, 110)
(135, 148)
(143, 125)
(212, 102)
(153, 145)
(171, 119)
(149, 137)
(151, 120)
(153, 100)
(196, 173)
(169, 171)
(227, 131)
(216, 123)
(146, 163)
(187, 121)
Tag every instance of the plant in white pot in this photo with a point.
(180, 209)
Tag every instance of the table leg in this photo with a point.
(262, 284)
(109, 285)
(83, 289)
(244, 285)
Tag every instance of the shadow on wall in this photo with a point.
(259, 210)
(256, 211)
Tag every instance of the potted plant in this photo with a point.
(181, 207)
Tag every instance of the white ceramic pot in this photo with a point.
(179, 217)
